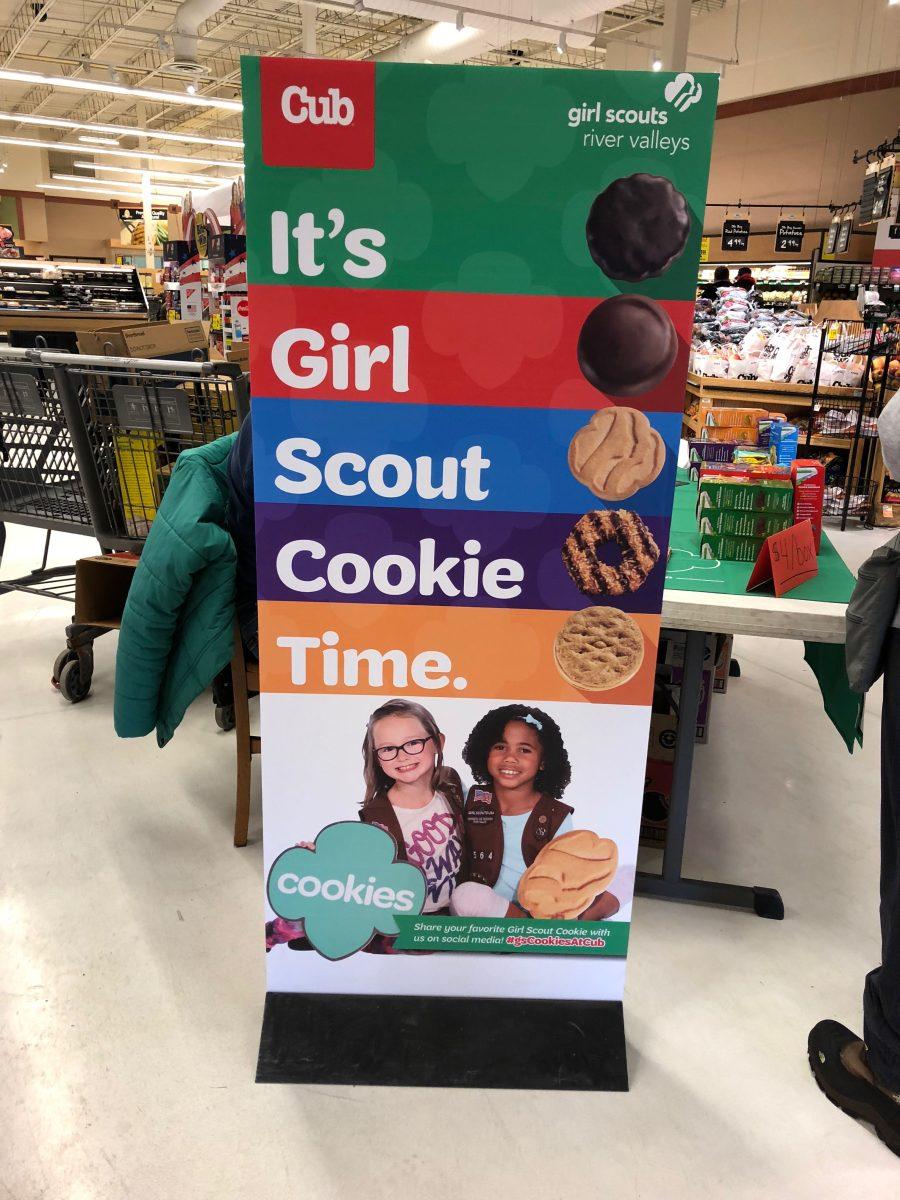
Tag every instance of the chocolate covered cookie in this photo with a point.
(627, 345)
(637, 227)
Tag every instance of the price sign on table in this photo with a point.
(787, 559)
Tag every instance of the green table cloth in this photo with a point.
(688, 572)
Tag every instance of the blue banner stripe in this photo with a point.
(434, 457)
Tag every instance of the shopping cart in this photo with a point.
(40, 484)
(127, 420)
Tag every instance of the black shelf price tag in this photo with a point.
(735, 234)
(843, 236)
(789, 237)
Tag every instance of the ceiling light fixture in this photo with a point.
(114, 76)
(460, 21)
(152, 156)
(191, 89)
(359, 5)
(656, 65)
(117, 89)
(98, 141)
(162, 44)
(110, 192)
(561, 44)
(209, 180)
(121, 130)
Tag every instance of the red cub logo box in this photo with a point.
(317, 113)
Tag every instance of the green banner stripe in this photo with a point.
(485, 935)
(482, 184)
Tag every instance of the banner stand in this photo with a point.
(473, 292)
(440, 1041)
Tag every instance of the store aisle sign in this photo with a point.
(789, 237)
(472, 295)
(875, 198)
(137, 214)
(887, 236)
(735, 234)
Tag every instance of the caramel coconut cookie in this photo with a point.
(639, 553)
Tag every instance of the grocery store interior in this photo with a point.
(130, 904)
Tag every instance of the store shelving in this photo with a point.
(778, 284)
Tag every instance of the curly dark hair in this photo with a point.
(555, 773)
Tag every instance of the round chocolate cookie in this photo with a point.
(627, 345)
(637, 227)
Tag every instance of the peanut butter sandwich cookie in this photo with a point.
(598, 649)
(639, 552)
(568, 875)
(617, 453)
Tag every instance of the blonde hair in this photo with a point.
(375, 778)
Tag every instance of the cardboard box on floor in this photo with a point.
(239, 353)
(837, 310)
(101, 589)
(156, 339)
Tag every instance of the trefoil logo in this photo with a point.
(683, 91)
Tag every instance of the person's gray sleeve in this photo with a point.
(889, 433)
(870, 615)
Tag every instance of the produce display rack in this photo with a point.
(865, 474)
(778, 281)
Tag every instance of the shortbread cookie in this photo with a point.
(598, 649)
(568, 875)
(617, 453)
(639, 552)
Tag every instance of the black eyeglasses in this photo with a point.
(414, 746)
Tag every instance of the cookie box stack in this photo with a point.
(739, 425)
(739, 507)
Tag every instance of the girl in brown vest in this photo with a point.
(521, 769)
(414, 797)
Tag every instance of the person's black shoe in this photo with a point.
(831, 1047)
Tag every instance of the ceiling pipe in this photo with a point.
(189, 16)
(539, 20)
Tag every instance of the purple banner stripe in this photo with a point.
(413, 556)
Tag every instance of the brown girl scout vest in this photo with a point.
(484, 832)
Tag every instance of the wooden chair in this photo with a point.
(245, 679)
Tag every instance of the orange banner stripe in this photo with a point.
(489, 653)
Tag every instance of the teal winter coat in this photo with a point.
(178, 625)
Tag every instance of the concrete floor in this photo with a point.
(132, 975)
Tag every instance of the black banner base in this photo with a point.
(443, 1041)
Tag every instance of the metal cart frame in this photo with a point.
(124, 422)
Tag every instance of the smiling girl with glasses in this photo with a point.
(414, 797)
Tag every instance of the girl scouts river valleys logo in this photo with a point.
(345, 890)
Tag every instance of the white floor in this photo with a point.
(131, 975)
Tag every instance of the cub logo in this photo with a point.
(298, 106)
(317, 113)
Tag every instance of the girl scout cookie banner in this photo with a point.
(472, 291)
